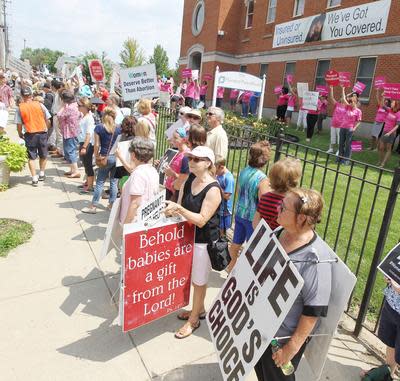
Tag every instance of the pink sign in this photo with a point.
(323, 90)
(379, 82)
(332, 78)
(392, 90)
(359, 87)
(344, 78)
(278, 89)
(290, 78)
(356, 146)
(207, 77)
(186, 73)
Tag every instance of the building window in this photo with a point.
(243, 68)
(334, 3)
(198, 18)
(249, 14)
(365, 74)
(263, 70)
(290, 68)
(298, 8)
(322, 68)
(271, 14)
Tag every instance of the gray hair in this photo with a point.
(143, 149)
(218, 112)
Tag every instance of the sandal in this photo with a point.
(187, 330)
(74, 175)
(67, 173)
(186, 314)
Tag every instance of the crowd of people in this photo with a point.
(86, 125)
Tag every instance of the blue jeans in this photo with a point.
(345, 137)
(101, 178)
(245, 109)
(70, 146)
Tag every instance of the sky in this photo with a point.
(76, 26)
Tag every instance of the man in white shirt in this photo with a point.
(217, 139)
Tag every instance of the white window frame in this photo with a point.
(296, 4)
(248, 14)
(329, 4)
(269, 10)
(364, 98)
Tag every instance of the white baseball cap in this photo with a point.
(202, 152)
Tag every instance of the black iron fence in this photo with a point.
(360, 220)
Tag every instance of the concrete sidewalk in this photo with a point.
(58, 309)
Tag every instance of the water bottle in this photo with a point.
(288, 368)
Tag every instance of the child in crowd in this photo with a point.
(291, 104)
(227, 184)
(283, 176)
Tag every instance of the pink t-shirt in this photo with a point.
(246, 96)
(197, 92)
(390, 121)
(337, 116)
(220, 92)
(203, 89)
(292, 100)
(351, 117)
(189, 92)
(175, 165)
(234, 94)
(380, 115)
(324, 107)
(283, 99)
(143, 182)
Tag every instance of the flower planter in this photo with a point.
(4, 171)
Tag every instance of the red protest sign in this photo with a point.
(379, 82)
(157, 265)
(332, 78)
(392, 90)
(344, 78)
(186, 73)
(359, 87)
(207, 77)
(96, 70)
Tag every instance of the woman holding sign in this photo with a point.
(199, 201)
(300, 211)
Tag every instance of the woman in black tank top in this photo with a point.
(199, 201)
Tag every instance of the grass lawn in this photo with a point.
(354, 204)
(12, 234)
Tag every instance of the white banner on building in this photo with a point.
(21, 67)
(139, 82)
(239, 80)
(261, 288)
(359, 21)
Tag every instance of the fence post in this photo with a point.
(278, 146)
(380, 245)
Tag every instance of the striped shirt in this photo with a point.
(268, 208)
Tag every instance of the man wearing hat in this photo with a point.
(36, 120)
(6, 92)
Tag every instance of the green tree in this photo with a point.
(107, 64)
(132, 54)
(42, 56)
(160, 59)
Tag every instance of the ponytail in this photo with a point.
(108, 119)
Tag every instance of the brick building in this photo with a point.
(256, 36)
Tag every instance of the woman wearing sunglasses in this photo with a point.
(198, 202)
(300, 211)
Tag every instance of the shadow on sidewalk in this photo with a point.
(193, 372)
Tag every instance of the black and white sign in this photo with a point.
(263, 284)
(310, 100)
(390, 266)
(164, 162)
(151, 211)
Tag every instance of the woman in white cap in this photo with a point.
(198, 202)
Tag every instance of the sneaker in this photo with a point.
(308, 140)
(88, 210)
(42, 177)
(330, 150)
(35, 183)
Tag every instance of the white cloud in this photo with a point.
(75, 26)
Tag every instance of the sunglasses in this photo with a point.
(196, 159)
(194, 117)
(210, 114)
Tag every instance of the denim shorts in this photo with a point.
(70, 146)
(225, 222)
(243, 230)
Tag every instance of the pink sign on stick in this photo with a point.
(290, 78)
(344, 78)
(356, 146)
(278, 89)
(359, 87)
(379, 82)
(186, 73)
(323, 90)
(392, 90)
(207, 77)
(332, 78)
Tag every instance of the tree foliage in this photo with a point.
(107, 64)
(132, 54)
(160, 59)
(42, 56)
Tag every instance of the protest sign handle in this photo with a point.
(261, 105)
(214, 100)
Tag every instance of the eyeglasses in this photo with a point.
(210, 114)
(196, 159)
(283, 207)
